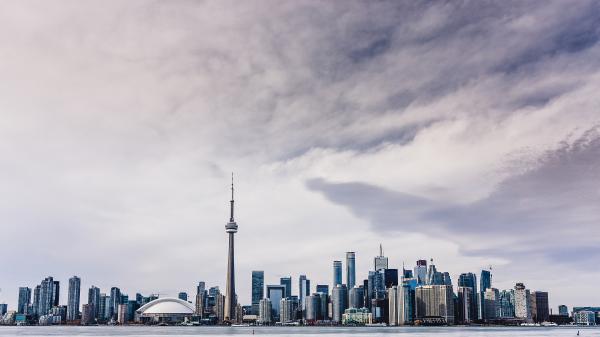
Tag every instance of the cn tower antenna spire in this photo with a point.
(232, 201)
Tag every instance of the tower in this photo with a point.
(230, 298)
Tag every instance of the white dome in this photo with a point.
(167, 305)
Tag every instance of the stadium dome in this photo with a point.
(165, 310)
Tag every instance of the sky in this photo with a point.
(464, 132)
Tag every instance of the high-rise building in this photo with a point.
(339, 299)
(390, 277)
(506, 304)
(122, 313)
(393, 305)
(287, 283)
(258, 289)
(56, 293)
(469, 280)
(323, 288)
(522, 305)
(380, 262)
(406, 304)
(303, 290)
(563, 310)
(219, 308)
(230, 296)
(313, 307)
(115, 300)
(490, 303)
(540, 310)
(434, 277)
(265, 311)
(48, 295)
(435, 300)
(87, 314)
(421, 272)
(24, 300)
(94, 303)
(485, 282)
(289, 308)
(357, 297)
(337, 273)
(35, 306)
(465, 303)
(275, 293)
(73, 298)
(350, 269)
(376, 286)
(182, 296)
(3, 309)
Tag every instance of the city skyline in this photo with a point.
(467, 132)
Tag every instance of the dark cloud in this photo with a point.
(545, 209)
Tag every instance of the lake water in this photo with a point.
(296, 331)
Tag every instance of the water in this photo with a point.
(146, 331)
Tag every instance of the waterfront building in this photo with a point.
(465, 305)
(584, 317)
(162, 310)
(289, 307)
(275, 293)
(393, 305)
(339, 299)
(406, 303)
(485, 282)
(303, 289)
(265, 311)
(470, 280)
(350, 269)
(380, 262)
(24, 300)
(87, 314)
(563, 310)
(258, 289)
(522, 302)
(49, 291)
(435, 300)
(540, 309)
(324, 311)
(506, 304)
(94, 302)
(312, 306)
(122, 314)
(219, 308)
(490, 303)
(115, 300)
(230, 296)
(356, 297)
(73, 298)
(287, 282)
(355, 316)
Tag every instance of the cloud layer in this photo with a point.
(467, 132)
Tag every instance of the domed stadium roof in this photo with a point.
(167, 305)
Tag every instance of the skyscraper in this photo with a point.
(421, 272)
(182, 296)
(469, 280)
(47, 296)
(350, 270)
(490, 302)
(337, 273)
(73, 298)
(563, 310)
(94, 303)
(303, 290)
(541, 312)
(380, 262)
(258, 289)
(115, 300)
(356, 297)
(275, 293)
(230, 297)
(465, 305)
(522, 308)
(287, 282)
(339, 299)
(323, 288)
(24, 300)
(265, 313)
(406, 304)
(393, 305)
(435, 300)
(485, 282)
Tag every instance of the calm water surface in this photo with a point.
(296, 331)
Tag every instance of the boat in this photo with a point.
(549, 324)
(239, 325)
(375, 324)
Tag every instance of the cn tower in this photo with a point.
(230, 298)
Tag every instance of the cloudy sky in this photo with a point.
(467, 132)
